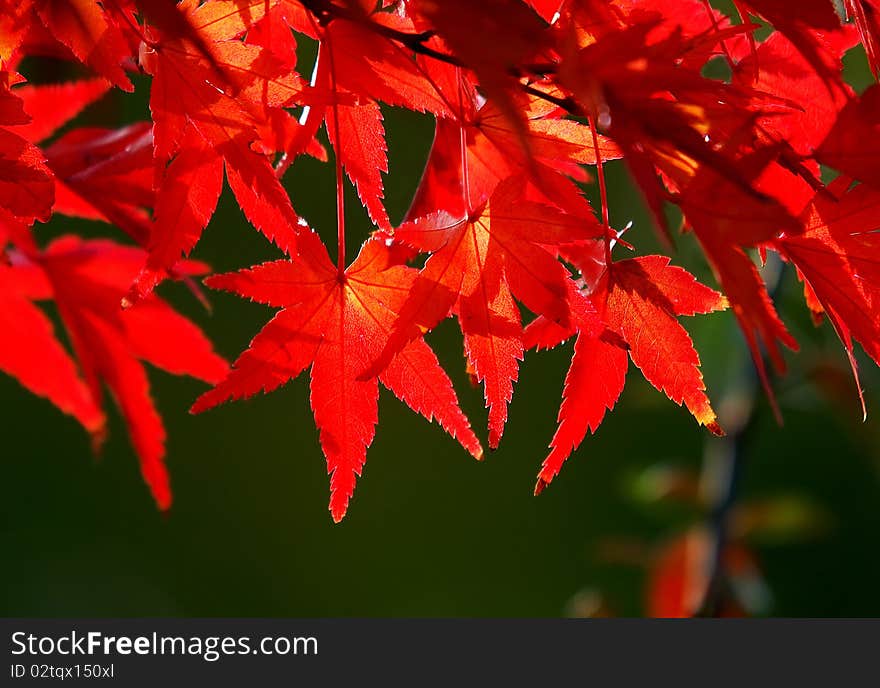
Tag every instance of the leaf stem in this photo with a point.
(716, 28)
(463, 150)
(603, 190)
(753, 44)
(337, 150)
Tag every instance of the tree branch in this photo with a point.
(325, 11)
(724, 460)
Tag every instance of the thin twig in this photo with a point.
(724, 460)
(325, 11)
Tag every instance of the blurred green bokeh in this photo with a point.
(430, 532)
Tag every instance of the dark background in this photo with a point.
(429, 531)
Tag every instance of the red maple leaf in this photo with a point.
(464, 26)
(359, 64)
(555, 148)
(801, 28)
(86, 280)
(727, 219)
(337, 323)
(90, 33)
(99, 174)
(837, 253)
(26, 188)
(210, 94)
(477, 265)
(638, 300)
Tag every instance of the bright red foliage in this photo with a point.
(531, 100)
(336, 324)
(86, 280)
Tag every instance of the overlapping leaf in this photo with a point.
(26, 188)
(86, 280)
(210, 92)
(477, 265)
(638, 302)
(838, 255)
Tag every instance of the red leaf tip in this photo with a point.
(715, 429)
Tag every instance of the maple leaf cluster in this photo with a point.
(530, 99)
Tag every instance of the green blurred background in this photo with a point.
(430, 532)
